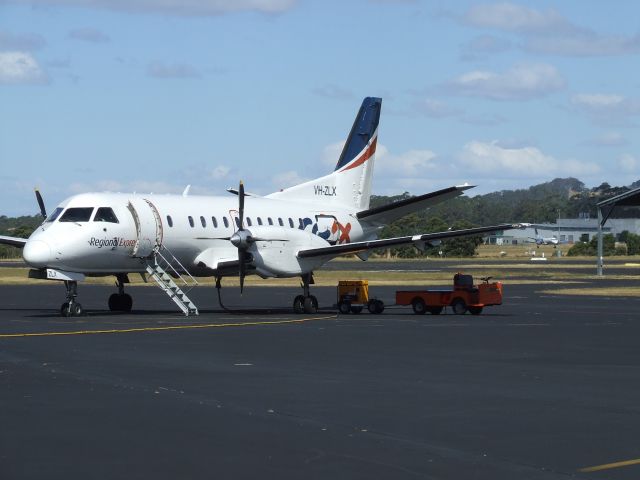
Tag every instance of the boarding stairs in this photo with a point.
(166, 270)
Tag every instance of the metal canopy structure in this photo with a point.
(606, 207)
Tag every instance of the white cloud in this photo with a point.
(20, 68)
(413, 163)
(220, 172)
(333, 91)
(628, 163)
(548, 31)
(435, 108)
(492, 158)
(606, 107)
(520, 82)
(287, 179)
(514, 18)
(584, 44)
(331, 153)
(21, 42)
(90, 35)
(175, 70)
(609, 139)
(174, 7)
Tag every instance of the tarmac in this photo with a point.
(542, 387)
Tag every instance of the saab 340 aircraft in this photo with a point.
(289, 233)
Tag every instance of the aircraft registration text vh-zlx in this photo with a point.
(289, 233)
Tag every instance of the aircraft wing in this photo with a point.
(13, 241)
(388, 213)
(418, 240)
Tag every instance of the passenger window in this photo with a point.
(191, 221)
(105, 214)
(237, 220)
(77, 215)
(170, 220)
(291, 222)
(259, 221)
(56, 213)
(226, 222)
(270, 221)
(301, 224)
(215, 222)
(280, 222)
(203, 222)
(249, 221)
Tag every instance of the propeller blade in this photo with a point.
(43, 211)
(242, 267)
(241, 204)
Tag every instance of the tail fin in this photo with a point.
(349, 185)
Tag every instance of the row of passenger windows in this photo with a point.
(225, 221)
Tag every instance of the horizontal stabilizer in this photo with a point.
(13, 241)
(418, 240)
(388, 213)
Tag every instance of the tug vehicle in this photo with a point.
(465, 296)
(353, 296)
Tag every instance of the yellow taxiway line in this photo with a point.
(609, 466)
(159, 329)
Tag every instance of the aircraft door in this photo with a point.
(148, 227)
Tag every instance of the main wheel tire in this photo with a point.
(76, 310)
(435, 310)
(459, 307)
(379, 307)
(298, 304)
(356, 310)
(419, 307)
(344, 307)
(114, 302)
(127, 302)
(309, 305)
(64, 310)
(475, 310)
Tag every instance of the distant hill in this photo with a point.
(539, 203)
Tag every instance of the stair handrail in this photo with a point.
(182, 267)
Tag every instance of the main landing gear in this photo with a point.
(306, 303)
(120, 302)
(71, 308)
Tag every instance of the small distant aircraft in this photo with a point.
(540, 240)
(289, 233)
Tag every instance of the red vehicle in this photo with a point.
(464, 296)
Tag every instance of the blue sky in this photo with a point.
(145, 95)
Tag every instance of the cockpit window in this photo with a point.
(77, 214)
(105, 214)
(56, 213)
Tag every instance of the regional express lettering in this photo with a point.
(111, 242)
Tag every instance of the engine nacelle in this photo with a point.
(274, 251)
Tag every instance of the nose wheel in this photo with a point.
(71, 308)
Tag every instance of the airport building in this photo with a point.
(566, 230)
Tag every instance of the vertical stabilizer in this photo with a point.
(349, 185)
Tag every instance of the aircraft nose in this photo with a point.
(36, 253)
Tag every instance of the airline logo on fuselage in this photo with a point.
(114, 242)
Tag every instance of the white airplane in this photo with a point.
(289, 233)
(540, 240)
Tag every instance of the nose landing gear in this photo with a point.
(121, 302)
(306, 303)
(71, 308)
